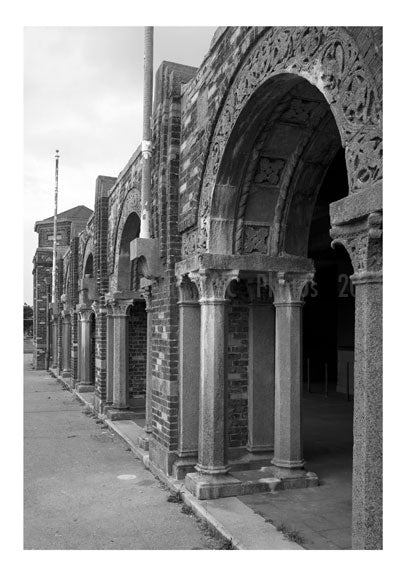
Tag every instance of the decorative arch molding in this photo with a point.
(131, 203)
(85, 247)
(329, 59)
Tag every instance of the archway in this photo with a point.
(265, 200)
(125, 269)
(88, 268)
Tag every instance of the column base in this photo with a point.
(184, 465)
(84, 387)
(209, 486)
(260, 448)
(65, 373)
(292, 477)
(291, 464)
(143, 441)
(114, 413)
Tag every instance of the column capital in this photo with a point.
(288, 287)
(213, 283)
(362, 239)
(119, 307)
(188, 291)
(85, 314)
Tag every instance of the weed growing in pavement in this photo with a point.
(292, 535)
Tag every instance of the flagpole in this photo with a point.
(55, 222)
(146, 146)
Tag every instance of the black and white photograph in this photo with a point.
(202, 286)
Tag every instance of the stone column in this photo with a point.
(212, 480)
(189, 368)
(261, 372)
(287, 288)
(120, 368)
(109, 357)
(66, 349)
(85, 384)
(363, 241)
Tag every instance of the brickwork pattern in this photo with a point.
(237, 368)
(137, 349)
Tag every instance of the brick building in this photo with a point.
(266, 196)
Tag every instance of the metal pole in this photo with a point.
(348, 381)
(146, 146)
(55, 221)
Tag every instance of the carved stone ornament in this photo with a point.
(212, 284)
(256, 239)
(120, 307)
(188, 291)
(328, 58)
(85, 314)
(363, 242)
(288, 287)
(269, 171)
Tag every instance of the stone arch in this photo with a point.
(131, 208)
(88, 264)
(326, 58)
(87, 260)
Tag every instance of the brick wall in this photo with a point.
(42, 283)
(165, 313)
(237, 367)
(47, 230)
(137, 349)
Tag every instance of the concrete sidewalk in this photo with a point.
(229, 518)
(83, 488)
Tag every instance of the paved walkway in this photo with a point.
(318, 518)
(83, 488)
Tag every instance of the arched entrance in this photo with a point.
(127, 333)
(267, 162)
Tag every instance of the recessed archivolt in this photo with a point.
(329, 59)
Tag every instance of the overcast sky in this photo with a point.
(83, 95)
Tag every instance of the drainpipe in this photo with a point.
(146, 146)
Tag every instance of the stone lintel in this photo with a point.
(244, 263)
(356, 206)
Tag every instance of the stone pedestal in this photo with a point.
(212, 286)
(261, 374)
(85, 384)
(287, 289)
